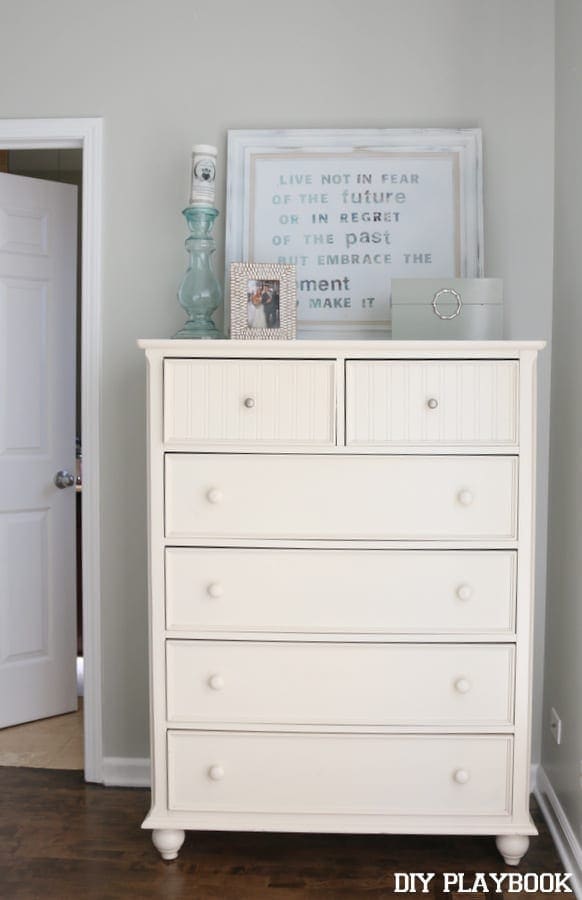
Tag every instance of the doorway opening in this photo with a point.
(56, 742)
(70, 151)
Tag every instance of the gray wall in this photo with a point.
(563, 688)
(166, 75)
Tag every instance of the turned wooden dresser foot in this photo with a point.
(512, 847)
(168, 841)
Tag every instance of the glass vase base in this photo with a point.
(199, 331)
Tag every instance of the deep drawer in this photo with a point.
(330, 773)
(467, 403)
(279, 683)
(339, 497)
(255, 402)
(358, 591)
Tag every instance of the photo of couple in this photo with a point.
(263, 303)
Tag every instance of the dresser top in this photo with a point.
(348, 348)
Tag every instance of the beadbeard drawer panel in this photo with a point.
(240, 496)
(330, 773)
(398, 591)
(468, 403)
(255, 402)
(279, 683)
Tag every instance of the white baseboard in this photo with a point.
(120, 771)
(566, 842)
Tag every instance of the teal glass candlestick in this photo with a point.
(200, 293)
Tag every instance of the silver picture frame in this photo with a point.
(263, 301)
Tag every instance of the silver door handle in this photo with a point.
(64, 479)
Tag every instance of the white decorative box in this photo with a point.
(447, 308)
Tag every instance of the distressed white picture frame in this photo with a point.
(442, 209)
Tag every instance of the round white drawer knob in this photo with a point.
(461, 776)
(214, 495)
(216, 682)
(215, 590)
(216, 773)
(464, 592)
(465, 497)
(249, 402)
(463, 685)
(432, 403)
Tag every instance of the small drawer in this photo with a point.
(249, 402)
(261, 497)
(471, 403)
(457, 592)
(329, 773)
(284, 683)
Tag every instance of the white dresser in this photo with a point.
(341, 558)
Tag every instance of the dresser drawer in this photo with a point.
(459, 592)
(468, 403)
(278, 683)
(254, 402)
(338, 497)
(330, 773)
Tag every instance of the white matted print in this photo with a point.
(263, 301)
(352, 210)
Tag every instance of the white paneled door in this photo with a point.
(37, 440)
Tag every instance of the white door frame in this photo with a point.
(87, 134)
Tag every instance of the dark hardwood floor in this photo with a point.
(62, 838)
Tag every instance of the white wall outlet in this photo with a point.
(556, 726)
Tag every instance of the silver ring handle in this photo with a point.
(435, 303)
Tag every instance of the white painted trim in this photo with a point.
(91, 442)
(126, 771)
(86, 133)
(565, 839)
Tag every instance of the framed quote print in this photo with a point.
(352, 210)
